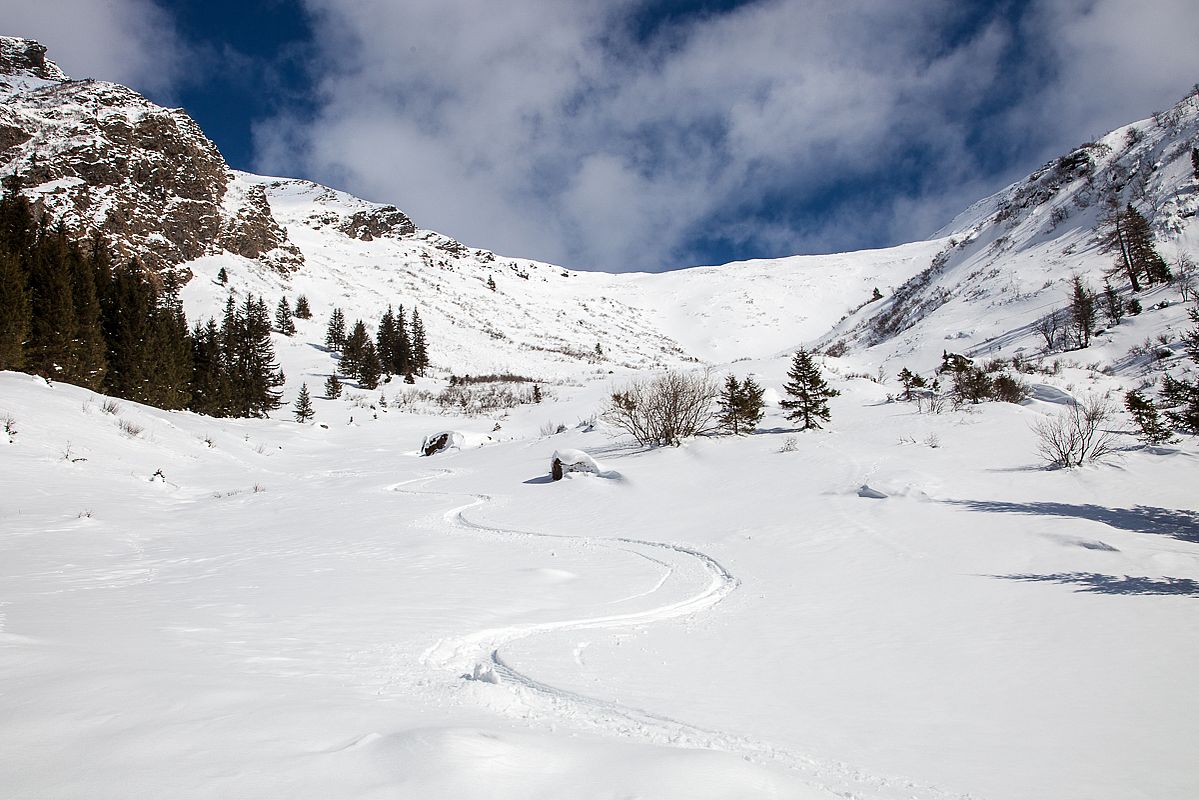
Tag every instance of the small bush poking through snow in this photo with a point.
(1075, 436)
(130, 429)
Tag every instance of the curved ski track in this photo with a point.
(482, 649)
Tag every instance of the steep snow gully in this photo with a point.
(479, 654)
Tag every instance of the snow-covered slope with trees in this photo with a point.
(902, 605)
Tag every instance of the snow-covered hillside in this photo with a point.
(903, 606)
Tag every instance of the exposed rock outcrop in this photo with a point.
(100, 157)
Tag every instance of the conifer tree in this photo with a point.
(1195, 162)
(491, 283)
(1082, 311)
(210, 379)
(352, 351)
(729, 417)
(303, 311)
(14, 312)
(283, 319)
(128, 309)
(909, 380)
(53, 325)
(332, 387)
(403, 346)
(368, 366)
(808, 392)
(420, 351)
(752, 407)
(1113, 306)
(740, 405)
(1180, 398)
(254, 377)
(222, 277)
(387, 343)
(335, 334)
(537, 393)
(1144, 414)
(169, 352)
(303, 408)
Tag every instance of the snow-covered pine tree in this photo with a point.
(808, 392)
(303, 410)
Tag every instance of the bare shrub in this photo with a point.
(1075, 436)
(552, 428)
(130, 429)
(665, 409)
(110, 406)
(790, 445)
(10, 426)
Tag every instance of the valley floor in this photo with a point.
(293, 611)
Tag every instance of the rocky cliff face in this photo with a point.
(100, 157)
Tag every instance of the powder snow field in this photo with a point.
(292, 610)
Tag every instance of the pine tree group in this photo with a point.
(71, 315)
(741, 405)
(808, 392)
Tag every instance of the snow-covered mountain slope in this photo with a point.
(1008, 260)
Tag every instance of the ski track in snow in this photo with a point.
(481, 650)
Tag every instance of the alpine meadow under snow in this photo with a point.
(904, 603)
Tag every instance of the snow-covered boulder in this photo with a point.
(442, 441)
(568, 461)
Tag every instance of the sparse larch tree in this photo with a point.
(808, 392)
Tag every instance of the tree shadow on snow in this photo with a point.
(1096, 583)
(540, 479)
(1176, 523)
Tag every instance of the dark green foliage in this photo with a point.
(353, 349)
(1144, 414)
(491, 283)
(303, 407)
(1128, 234)
(1133, 306)
(971, 385)
(283, 319)
(1195, 161)
(1113, 306)
(536, 393)
(335, 333)
(420, 347)
(50, 352)
(332, 387)
(369, 368)
(1009, 389)
(1180, 398)
(14, 312)
(1082, 311)
(1190, 340)
(808, 392)
(254, 377)
(303, 311)
(909, 380)
(741, 406)
(395, 351)
(222, 277)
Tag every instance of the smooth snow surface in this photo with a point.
(259, 609)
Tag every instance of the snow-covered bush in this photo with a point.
(567, 461)
(665, 409)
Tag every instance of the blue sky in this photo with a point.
(643, 134)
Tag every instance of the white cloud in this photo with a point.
(132, 42)
(548, 130)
